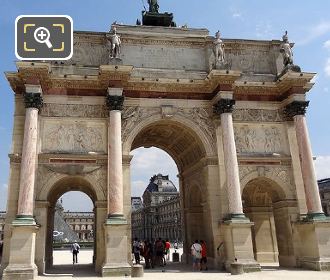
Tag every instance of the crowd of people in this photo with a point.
(154, 252)
(157, 252)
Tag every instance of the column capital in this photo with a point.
(115, 99)
(224, 105)
(296, 108)
(33, 96)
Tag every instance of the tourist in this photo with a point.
(136, 250)
(176, 247)
(159, 248)
(75, 250)
(148, 254)
(204, 256)
(196, 253)
(167, 249)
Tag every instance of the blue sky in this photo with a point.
(308, 24)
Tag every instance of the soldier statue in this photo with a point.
(115, 43)
(286, 50)
(153, 6)
(218, 49)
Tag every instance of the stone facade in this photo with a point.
(82, 223)
(2, 224)
(161, 212)
(136, 203)
(324, 186)
(238, 136)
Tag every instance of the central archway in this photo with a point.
(189, 147)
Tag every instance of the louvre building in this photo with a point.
(160, 215)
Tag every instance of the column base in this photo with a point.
(22, 250)
(16, 273)
(116, 270)
(236, 217)
(117, 251)
(315, 217)
(314, 245)
(238, 244)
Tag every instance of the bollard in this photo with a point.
(137, 271)
(175, 257)
(236, 268)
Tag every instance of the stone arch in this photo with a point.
(91, 186)
(269, 206)
(270, 177)
(207, 143)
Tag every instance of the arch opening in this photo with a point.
(71, 219)
(187, 150)
(266, 205)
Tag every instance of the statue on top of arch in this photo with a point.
(219, 52)
(287, 55)
(153, 6)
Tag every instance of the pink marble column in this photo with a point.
(224, 107)
(115, 170)
(296, 110)
(33, 102)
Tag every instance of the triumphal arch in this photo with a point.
(230, 112)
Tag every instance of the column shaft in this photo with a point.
(231, 164)
(313, 200)
(29, 153)
(115, 170)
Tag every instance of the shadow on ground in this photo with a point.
(77, 270)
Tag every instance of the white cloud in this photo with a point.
(327, 44)
(314, 32)
(138, 187)
(264, 30)
(327, 67)
(237, 15)
(322, 167)
(5, 186)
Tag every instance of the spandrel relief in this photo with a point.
(260, 139)
(74, 137)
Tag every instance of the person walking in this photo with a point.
(75, 250)
(196, 253)
(136, 250)
(159, 248)
(204, 256)
(167, 249)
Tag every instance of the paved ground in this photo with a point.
(63, 270)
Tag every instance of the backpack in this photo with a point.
(198, 253)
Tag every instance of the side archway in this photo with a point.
(267, 205)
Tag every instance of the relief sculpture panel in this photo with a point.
(261, 139)
(74, 137)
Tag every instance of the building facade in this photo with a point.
(82, 223)
(136, 203)
(2, 224)
(324, 186)
(161, 212)
(230, 112)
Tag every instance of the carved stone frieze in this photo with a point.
(131, 116)
(74, 137)
(100, 176)
(203, 118)
(261, 139)
(282, 173)
(258, 115)
(74, 110)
